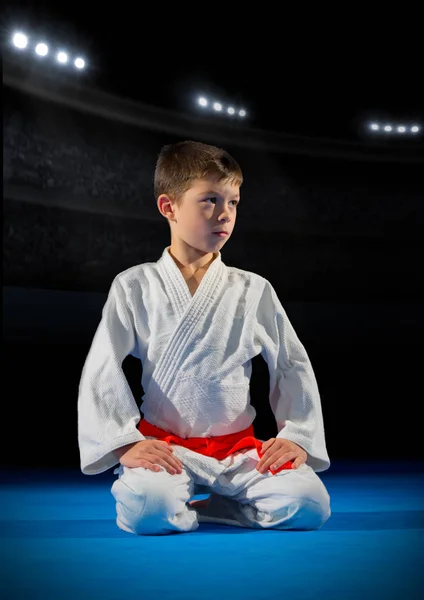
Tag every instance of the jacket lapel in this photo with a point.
(189, 310)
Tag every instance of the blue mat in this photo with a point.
(59, 540)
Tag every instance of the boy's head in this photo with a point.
(197, 188)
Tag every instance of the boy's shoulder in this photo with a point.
(135, 270)
(135, 273)
(260, 287)
(254, 278)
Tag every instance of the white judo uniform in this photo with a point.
(196, 354)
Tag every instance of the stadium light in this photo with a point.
(20, 40)
(62, 57)
(79, 63)
(394, 128)
(220, 107)
(41, 49)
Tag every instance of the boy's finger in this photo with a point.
(282, 460)
(265, 455)
(267, 445)
(171, 458)
(264, 462)
(299, 461)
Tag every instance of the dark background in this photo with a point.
(309, 72)
(336, 226)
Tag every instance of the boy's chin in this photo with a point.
(208, 245)
(219, 240)
(214, 247)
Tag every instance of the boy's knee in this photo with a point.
(312, 508)
(300, 514)
(313, 505)
(308, 510)
(312, 514)
(148, 505)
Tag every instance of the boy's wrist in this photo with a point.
(121, 451)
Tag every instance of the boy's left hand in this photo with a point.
(277, 451)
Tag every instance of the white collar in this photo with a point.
(176, 284)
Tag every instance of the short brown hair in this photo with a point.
(179, 164)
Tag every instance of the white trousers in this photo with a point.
(155, 503)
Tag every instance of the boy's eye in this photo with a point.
(213, 199)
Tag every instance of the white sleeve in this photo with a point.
(107, 412)
(294, 395)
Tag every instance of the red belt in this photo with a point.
(219, 446)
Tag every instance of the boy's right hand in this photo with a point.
(149, 454)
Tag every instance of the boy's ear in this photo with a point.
(165, 207)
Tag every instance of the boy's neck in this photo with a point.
(191, 264)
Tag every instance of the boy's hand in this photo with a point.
(149, 454)
(277, 451)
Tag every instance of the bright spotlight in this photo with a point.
(415, 129)
(374, 127)
(202, 101)
(20, 40)
(79, 63)
(217, 106)
(388, 128)
(41, 49)
(242, 113)
(62, 57)
(401, 129)
(230, 110)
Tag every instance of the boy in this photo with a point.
(196, 324)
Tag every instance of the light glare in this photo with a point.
(62, 57)
(79, 63)
(41, 49)
(20, 40)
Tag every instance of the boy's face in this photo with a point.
(208, 206)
